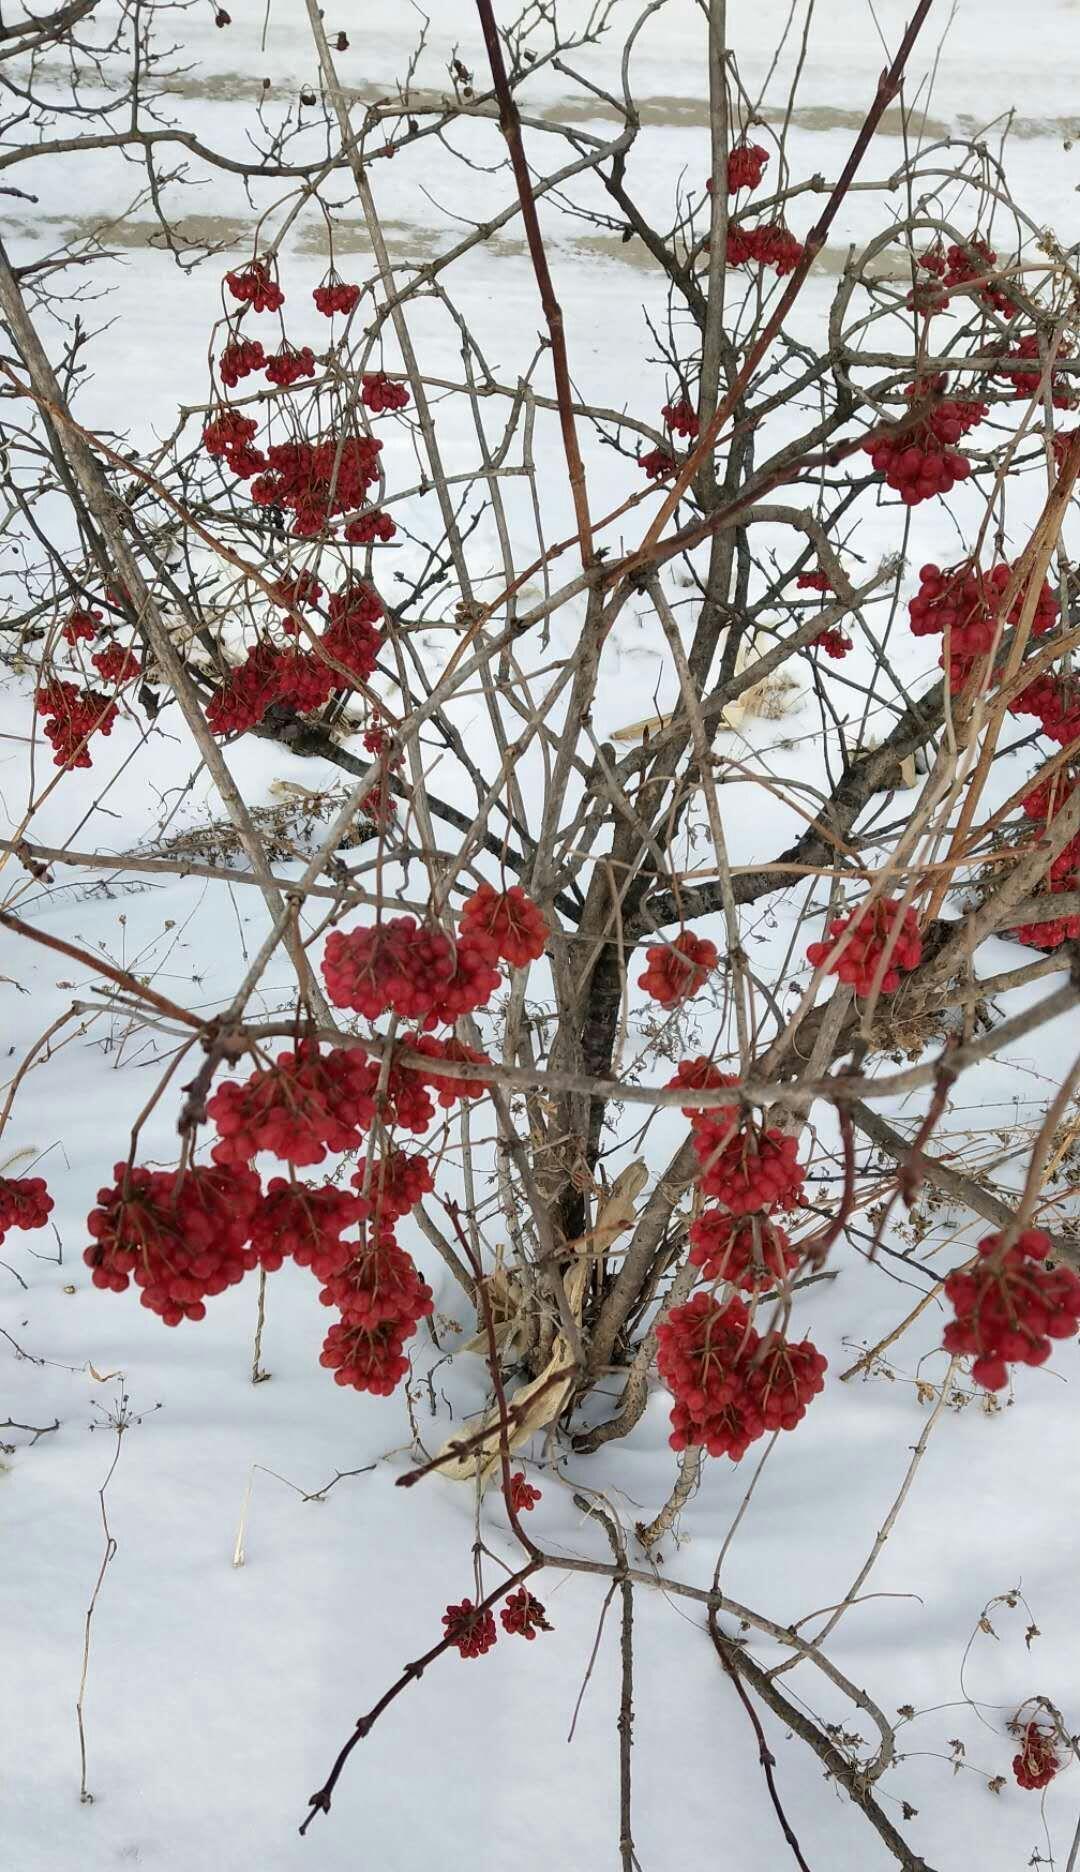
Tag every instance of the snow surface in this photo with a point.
(217, 1694)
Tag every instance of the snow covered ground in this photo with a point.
(217, 1693)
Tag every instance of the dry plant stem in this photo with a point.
(109, 1551)
(765, 1754)
(836, 1764)
(258, 1375)
(686, 1485)
(610, 1525)
(510, 125)
(98, 966)
(953, 1183)
(889, 1522)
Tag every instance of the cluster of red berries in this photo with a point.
(116, 665)
(1055, 702)
(255, 286)
(1026, 383)
(228, 437)
(677, 970)
(352, 637)
(511, 920)
(421, 974)
(1037, 1762)
(397, 1181)
(379, 392)
(523, 1497)
(447, 1087)
(957, 266)
(381, 1299)
(916, 470)
(306, 1104)
(25, 1203)
(681, 418)
(240, 358)
(1043, 804)
(700, 1075)
(314, 480)
(835, 642)
(182, 1236)
(369, 527)
(657, 464)
(746, 165)
(813, 581)
(266, 677)
(747, 1166)
(752, 1254)
(334, 295)
(523, 1614)
(730, 1386)
(885, 927)
(288, 365)
(81, 625)
(770, 244)
(1009, 1307)
(72, 715)
(305, 1224)
(472, 1631)
(965, 602)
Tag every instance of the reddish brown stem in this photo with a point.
(510, 124)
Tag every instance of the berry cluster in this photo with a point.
(678, 970)
(768, 245)
(1025, 383)
(885, 928)
(379, 392)
(334, 295)
(730, 1387)
(747, 1166)
(835, 642)
(228, 437)
(25, 1203)
(957, 266)
(523, 1614)
(116, 665)
(81, 626)
(369, 527)
(700, 1075)
(306, 1104)
(472, 1631)
(381, 1299)
(418, 973)
(240, 358)
(255, 286)
(1055, 702)
(523, 1497)
(965, 603)
(447, 1087)
(1009, 1308)
(681, 418)
(657, 464)
(72, 715)
(314, 480)
(181, 1235)
(305, 1224)
(288, 365)
(1037, 1762)
(746, 165)
(510, 918)
(396, 1183)
(752, 1255)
